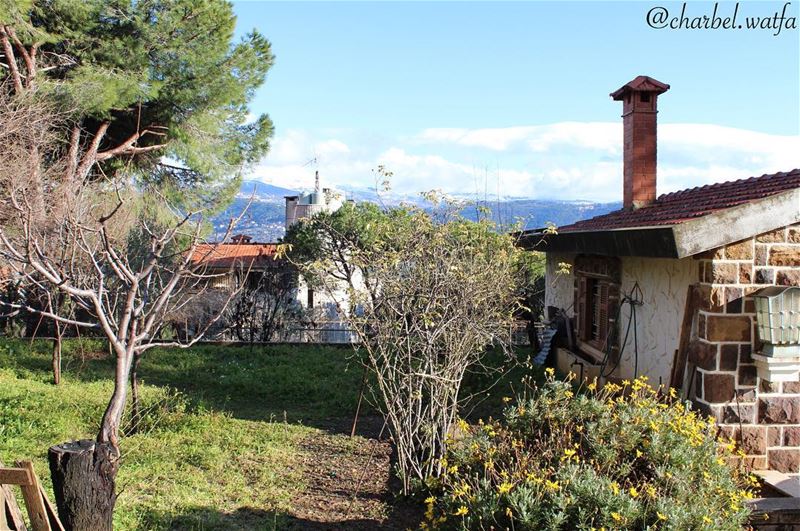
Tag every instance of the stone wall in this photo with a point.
(762, 416)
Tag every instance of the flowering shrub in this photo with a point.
(624, 457)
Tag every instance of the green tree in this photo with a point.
(141, 81)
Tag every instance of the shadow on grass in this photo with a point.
(206, 518)
(248, 518)
(296, 384)
(313, 385)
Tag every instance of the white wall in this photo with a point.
(664, 283)
(558, 290)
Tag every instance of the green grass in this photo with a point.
(220, 446)
(203, 459)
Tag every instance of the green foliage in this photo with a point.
(165, 64)
(428, 293)
(325, 242)
(623, 457)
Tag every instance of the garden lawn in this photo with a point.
(233, 437)
(204, 458)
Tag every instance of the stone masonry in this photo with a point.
(762, 416)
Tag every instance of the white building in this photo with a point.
(306, 205)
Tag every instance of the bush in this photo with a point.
(624, 457)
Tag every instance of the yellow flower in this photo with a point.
(615, 487)
(634, 493)
(551, 485)
(617, 517)
(505, 487)
(430, 499)
(461, 491)
(707, 520)
(661, 516)
(506, 399)
(550, 371)
(509, 512)
(461, 511)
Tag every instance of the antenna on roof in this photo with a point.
(316, 181)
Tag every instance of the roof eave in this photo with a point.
(680, 240)
(654, 242)
(737, 223)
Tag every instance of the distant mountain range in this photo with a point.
(264, 219)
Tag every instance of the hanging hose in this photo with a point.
(633, 299)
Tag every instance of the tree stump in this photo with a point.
(83, 474)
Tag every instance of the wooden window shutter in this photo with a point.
(604, 314)
(582, 310)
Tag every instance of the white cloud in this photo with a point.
(569, 160)
(592, 135)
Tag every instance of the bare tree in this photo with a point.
(75, 242)
(265, 304)
(426, 294)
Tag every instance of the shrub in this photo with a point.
(624, 457)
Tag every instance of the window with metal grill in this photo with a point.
(596, 299)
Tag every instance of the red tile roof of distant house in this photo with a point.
(677, 207)
(227, 255)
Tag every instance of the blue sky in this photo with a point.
(512, 98)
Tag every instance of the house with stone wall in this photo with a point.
(665, 288)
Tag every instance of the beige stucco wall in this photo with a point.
(664, 284)
(558, 290)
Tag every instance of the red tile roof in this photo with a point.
(227, 255)
(677, 207)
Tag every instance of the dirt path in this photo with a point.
(349, 484)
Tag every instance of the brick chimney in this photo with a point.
(639, 109)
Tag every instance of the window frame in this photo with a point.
(597, 288)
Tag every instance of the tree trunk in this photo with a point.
(57, 355)
(83, 474)
(136, 412)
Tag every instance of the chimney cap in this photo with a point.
(640, 84)
(241, 238)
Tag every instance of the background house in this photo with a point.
(272, 294)
(304, 206)
(664, 288)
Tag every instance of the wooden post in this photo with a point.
(40, 512)
(31, 493)
(679, 362)
(10, 514)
